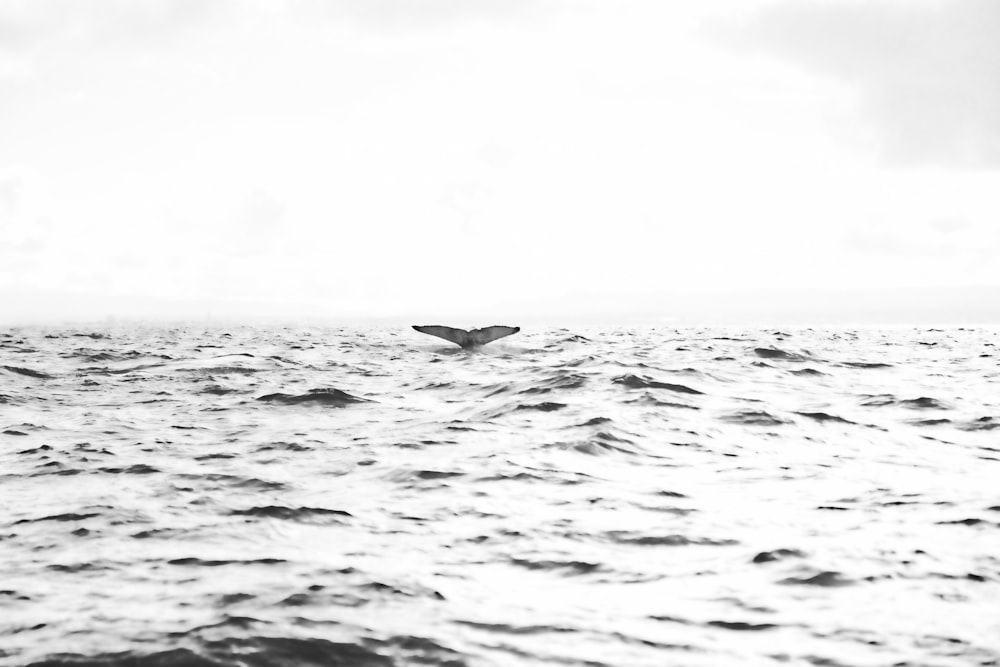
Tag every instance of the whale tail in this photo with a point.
(465, 338)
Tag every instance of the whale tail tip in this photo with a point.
(466, 339)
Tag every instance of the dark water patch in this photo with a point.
(644, 643)
(235, 481)
(826, 579)
(423, 475)
(229, 652)
(301, 514)
(27, 372)
(560, 382)
(778, 554)
(200, 562)
(668, 509)
(413, 650)
(928, 422)
(60, 470)
(388, 589)
(253, 483)
(213, 457)
(781, 355)
(70, 516)
(11, 431)
(505, 628)
(824, 417)
(121, 371)
(921, 403)
(512, 477)
(640, 382)
(865, 364)
(649, 399)
(329, 397)
(575, 338)
(663, 618)
(324, 599)
(753, 418)
(283, 446)
(284, 360)
(924, 403)
(611, 437)
(28, 426)
(80, 567)
(963, 522)
(741, 626)
(496, 389)
(596, 421)
(460, 427)
(437, 385)
(806, 371)
(570, 567)
(217, 390)
(625, 537)
(230, 599)
(542, 407)
(37, 450)
(221, 370)
(136, 469)
(981, 424)
(14, 595)
(595, 447)
(169, 533)
(89, 355)
(576, 363)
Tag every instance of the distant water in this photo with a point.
(596, 497)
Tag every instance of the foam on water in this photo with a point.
(189, 496)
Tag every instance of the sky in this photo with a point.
(456, 161)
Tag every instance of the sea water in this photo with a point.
(602, 497)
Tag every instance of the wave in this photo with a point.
(782, 355)
(638, 461)
(753, 418)
(823, 417)
(625, 537)
(541, 407)
(303, 514)
(27, 372)
(825, 579)
(328, 397)
(921, 403)
(640, 382)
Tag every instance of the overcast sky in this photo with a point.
(461, 158)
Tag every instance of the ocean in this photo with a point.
(595, 497)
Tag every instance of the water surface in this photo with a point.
(269, 496)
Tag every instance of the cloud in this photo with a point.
(10, 194)
(937, 237)
(408, 14)
(28, 24)
(926, 72)
(25, 24)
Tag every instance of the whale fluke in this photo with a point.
(468, 338)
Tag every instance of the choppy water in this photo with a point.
(598, 497)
